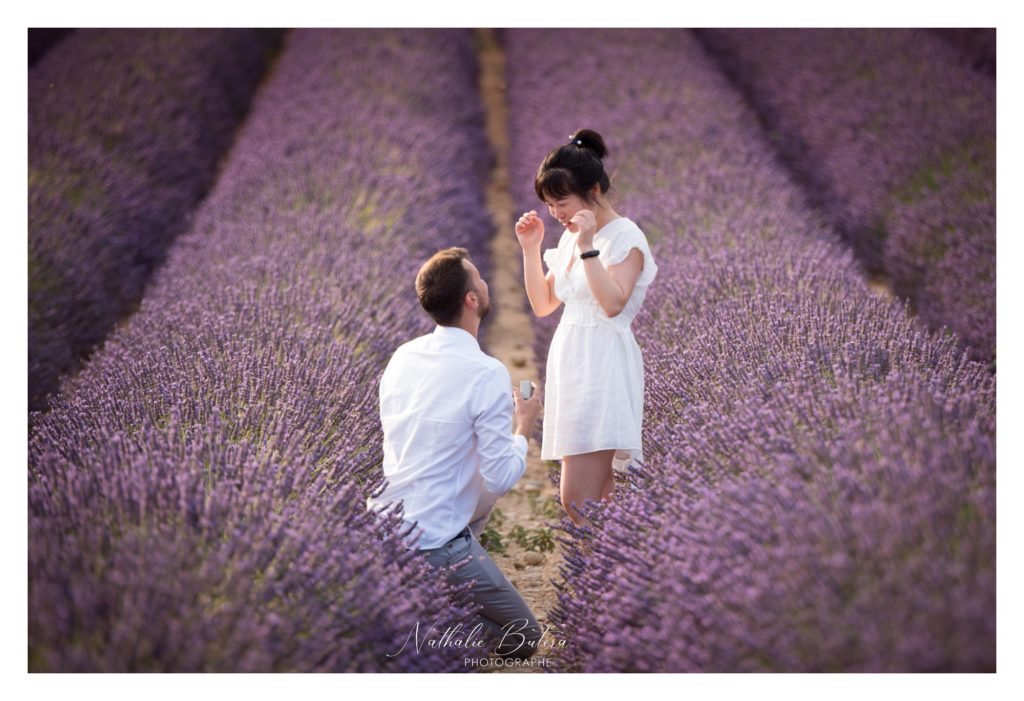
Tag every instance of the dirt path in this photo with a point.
(881, 285)
(509, 337)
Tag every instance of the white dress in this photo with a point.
(594, 392)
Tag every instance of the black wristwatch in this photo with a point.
(590, 254)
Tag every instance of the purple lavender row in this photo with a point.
(126, 127)
(42, 40)
(977, 46)
(820, 486)
(895, 138)
(197, 495)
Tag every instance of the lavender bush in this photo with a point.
(977, 46)
(197, 495)
(125, 131)
(42, 40)
(894, 136)
(820, 486)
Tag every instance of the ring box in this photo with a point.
(525, 389)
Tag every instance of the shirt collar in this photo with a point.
(456, 335)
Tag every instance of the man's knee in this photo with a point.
(528, 650)
(519, 642)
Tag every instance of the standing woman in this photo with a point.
(601, 269)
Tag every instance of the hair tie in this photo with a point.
(578, 142)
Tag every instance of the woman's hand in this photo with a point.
(530, 230)
(585, 223)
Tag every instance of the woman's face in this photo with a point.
(565, 208)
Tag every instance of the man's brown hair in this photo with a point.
(442, 283)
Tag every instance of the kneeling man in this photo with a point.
(446, 407)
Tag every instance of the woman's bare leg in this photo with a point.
(585, 476)
(608, 491)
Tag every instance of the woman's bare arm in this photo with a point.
(540, 289)
(612, 287)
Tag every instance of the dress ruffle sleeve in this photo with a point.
(550, 255)
(626, 241)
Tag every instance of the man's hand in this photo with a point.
(526, 411)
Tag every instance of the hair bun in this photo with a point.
(574, 168)
(590, 139)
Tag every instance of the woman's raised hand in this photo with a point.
(530, 230)
(585, 224)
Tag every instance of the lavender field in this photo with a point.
(901, 106)
(819, 491)
(125, 133)
(197, 494)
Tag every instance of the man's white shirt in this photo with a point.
(446, 410)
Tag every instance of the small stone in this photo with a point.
(519, 361)
(518, 565)
(532, 558)
(533, 486)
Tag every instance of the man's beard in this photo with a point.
(483, 311)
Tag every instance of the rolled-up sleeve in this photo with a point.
(502, 455)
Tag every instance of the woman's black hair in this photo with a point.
(574, 168)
